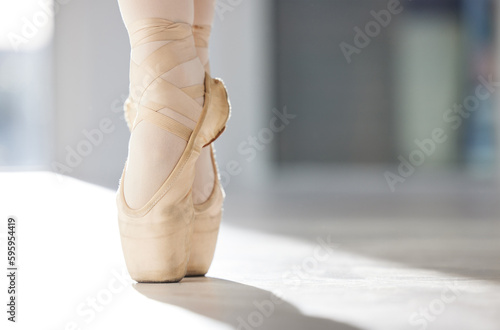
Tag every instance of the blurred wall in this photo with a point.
(91, 82)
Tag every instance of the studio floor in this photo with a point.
(283, 261)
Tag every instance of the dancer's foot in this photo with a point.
(164, 66)
(155, 209)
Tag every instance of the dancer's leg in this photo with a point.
(202, 24)
(204, 11)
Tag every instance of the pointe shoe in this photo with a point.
(156, 238)
(207, 218)
(207, 215)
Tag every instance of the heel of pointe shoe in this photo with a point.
(203, 251)
(204, 236)
(207, 219)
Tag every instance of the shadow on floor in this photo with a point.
(238, 305)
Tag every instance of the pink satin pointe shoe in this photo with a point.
(170, 237)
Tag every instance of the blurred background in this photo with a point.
(368, 124)
(360, 82)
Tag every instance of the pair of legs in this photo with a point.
(154, 152)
